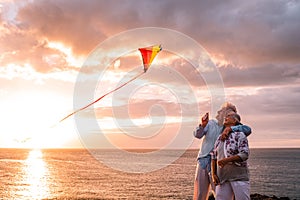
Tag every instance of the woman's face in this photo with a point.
(221, 114)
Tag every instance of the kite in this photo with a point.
(148, 55)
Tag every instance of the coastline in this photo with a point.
(265, 197)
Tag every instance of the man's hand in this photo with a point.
(215, 179)
(204, 120)
(225, 133)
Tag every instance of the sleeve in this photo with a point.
(243, 147)
(242, 128)
(200, 131)
(214, 152)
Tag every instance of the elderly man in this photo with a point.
(209, 131)
(229, 168)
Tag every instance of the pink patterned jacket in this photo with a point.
(235, 144)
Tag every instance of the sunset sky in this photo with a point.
(46, 46)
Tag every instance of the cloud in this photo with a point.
(68, 22)
(272, 101)
(263, 75)
(243, 33)
(19, 47)
(143, 108)
(248, 33)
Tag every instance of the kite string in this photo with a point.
(102, 97)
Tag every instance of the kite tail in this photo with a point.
(76, 111)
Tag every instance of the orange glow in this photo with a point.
(36, 173)
(70, 57)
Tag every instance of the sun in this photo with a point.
(29, 120)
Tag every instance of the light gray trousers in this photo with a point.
(201, 183)
(240, 190)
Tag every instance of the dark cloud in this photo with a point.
(243, 33)
(265, 75)
(70, 23)
(272, 101)
(250, 32)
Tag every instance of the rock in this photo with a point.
(265, 197)
(259, 197)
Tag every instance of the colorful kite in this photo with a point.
(148, 55)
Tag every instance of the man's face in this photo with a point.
(229, 119)
(220, 115)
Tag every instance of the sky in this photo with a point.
(47, 70)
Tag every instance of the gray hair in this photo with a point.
(237, 117)
(229, 106)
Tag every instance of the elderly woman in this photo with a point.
(229, 166)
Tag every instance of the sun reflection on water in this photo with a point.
(35, 176)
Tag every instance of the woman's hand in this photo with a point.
(221, 163)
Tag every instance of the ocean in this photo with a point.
(76, 174)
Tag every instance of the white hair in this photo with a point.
(237, 117)
(227, 106)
